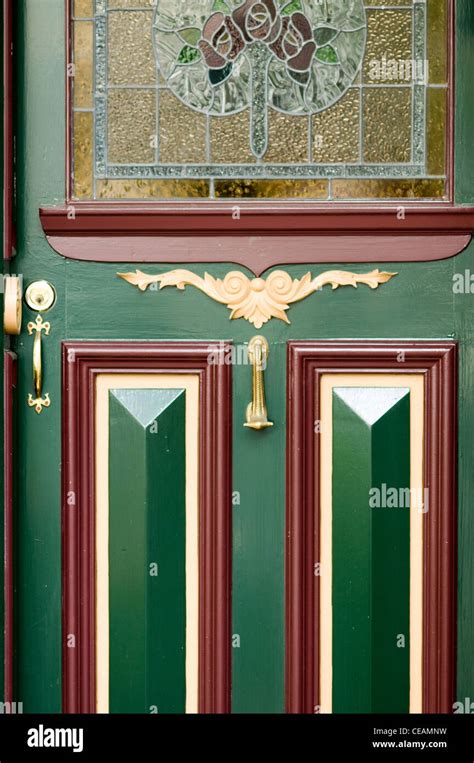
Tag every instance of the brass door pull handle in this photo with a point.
(38, 401)
(256, 414)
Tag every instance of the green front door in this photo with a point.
(168, 558)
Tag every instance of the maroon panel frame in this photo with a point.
(307, 362)
(9, 384)
(82, 362)
(332, 231)
(8, 183)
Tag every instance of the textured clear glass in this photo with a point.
(278, 98)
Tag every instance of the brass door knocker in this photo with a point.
(256, 414)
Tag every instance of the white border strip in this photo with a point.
(104, 383)
(415, 383)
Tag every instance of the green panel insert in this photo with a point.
(371, 550)
(147, 526)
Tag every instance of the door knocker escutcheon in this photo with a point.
(256, 414)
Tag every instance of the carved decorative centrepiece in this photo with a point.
(257, 300)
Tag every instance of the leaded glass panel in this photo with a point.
(312, 99)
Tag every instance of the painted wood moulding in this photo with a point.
(308, 363)
(82, 363)
(268, 234)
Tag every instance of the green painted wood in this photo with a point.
(391, 562)
(351, 563)
(417, 303)
(2, 541)
(147, 526)
(371, 547)
(93, 303)
(464, 330)
(464, 116)
(40, 150)
(258, 538)
(2, 348)
(463, 320)
(2, 538)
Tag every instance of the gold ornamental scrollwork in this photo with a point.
(257, 300)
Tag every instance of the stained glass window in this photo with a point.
(311, 99)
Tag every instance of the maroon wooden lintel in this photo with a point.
(173, 218)
(206, 232)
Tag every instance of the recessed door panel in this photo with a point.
(146, 518)
(370, 527)
(146, 612)
(369, 554)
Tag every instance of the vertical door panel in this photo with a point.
(147, 550)
(371, 527)
(147, 464)
(371, 550)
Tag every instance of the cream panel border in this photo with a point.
(415, 383)
(104, 383)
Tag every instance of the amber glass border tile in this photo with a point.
(83, 186)
(152, 189)
(271, 189)
(388, 189)
(437, 46)
(436, 103)
(389, 3)
(83, 9)
(83, 64)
